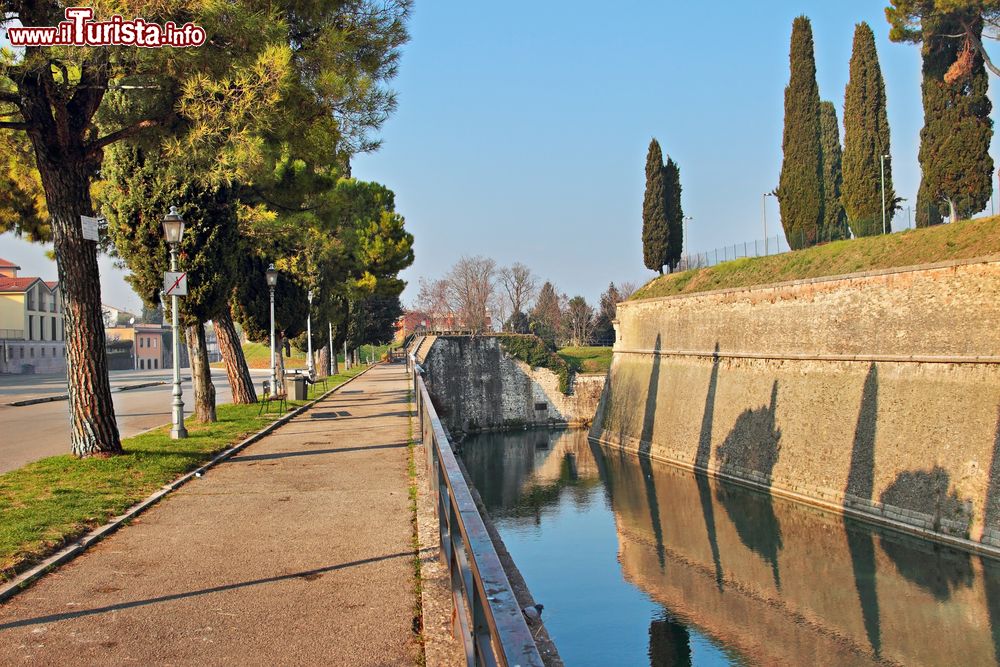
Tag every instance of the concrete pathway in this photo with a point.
(296, 552)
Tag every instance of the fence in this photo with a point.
(903, 219)
(494, 630)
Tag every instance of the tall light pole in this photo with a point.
(309, 338)
(881, 161)
(173, 231)
(333, 354)
(763, 215)
(684, 241)
(271, 275)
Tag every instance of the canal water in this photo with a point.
(641, 563)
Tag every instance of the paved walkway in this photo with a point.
(298, 551)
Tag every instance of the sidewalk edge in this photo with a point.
(68, 553)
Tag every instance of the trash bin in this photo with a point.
(295, 385)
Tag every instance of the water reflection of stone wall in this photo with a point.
(784, 584)
(730, 382)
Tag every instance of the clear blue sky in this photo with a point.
(522, 127)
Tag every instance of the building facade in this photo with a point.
(32, 334)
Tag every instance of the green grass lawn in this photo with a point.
(587, 359)
(967, 239)
(49, 502)
(259, 355)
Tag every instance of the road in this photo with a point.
(32, 432)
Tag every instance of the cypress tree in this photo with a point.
(675, 213)
(955, 140)
(800, 188)
(655, 229)
(866, 137)
(834, 219)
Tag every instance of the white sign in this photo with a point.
(175, 284)
(89, 225)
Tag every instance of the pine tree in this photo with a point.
(800, 188)
(954, 142)
(655, 228)
(866, 138)
(675, 213)
(834, 220)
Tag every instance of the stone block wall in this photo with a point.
(476, 386)
(877, 394)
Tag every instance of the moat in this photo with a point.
(638, 562)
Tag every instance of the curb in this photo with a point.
(114, 390)
(66, 554)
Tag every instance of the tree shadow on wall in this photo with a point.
(753, 445)
(938, 570)
(991, 568)
(645, 445)
(701, 462)
(860, 483)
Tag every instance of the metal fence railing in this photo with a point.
(493, 628)
(902, 219)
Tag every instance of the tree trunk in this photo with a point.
(201, 374)
(323, 367)
(93, 428)
(236, 362)
(952, 211)
(336, 365)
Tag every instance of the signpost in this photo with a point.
(175, 283)
(89, 226)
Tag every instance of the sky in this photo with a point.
(522, 128)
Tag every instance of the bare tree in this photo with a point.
(626, 289)
(432, 300)
(518, 288)
(471, 290)
(578, 321)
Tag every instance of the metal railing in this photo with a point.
(494, 630)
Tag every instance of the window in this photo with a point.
(156, 363)
(154, 342)
(52, 303)
(54, 353)
(31, 299)
(22, 353)
(31, 326)
(142, 364)
(41, 299)
(31, 352)
(141, 341)
(43, 351)
(53, 328)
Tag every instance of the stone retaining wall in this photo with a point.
(877, 393)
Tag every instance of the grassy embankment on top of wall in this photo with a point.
(967, 239)
(587, 359)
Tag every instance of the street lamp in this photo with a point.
(763, 215)
(173, 231)
(309, 338)
(881, 160)
(272, 279)
(684, 241)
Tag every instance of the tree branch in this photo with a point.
(123, 133)
(978, 45)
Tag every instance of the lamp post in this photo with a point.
(309, 339)
(333, 355)
(763, 215)
(881, 160)
(173, 231)
(684, 241)
(272, 279)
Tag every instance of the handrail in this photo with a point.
(494, 630)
